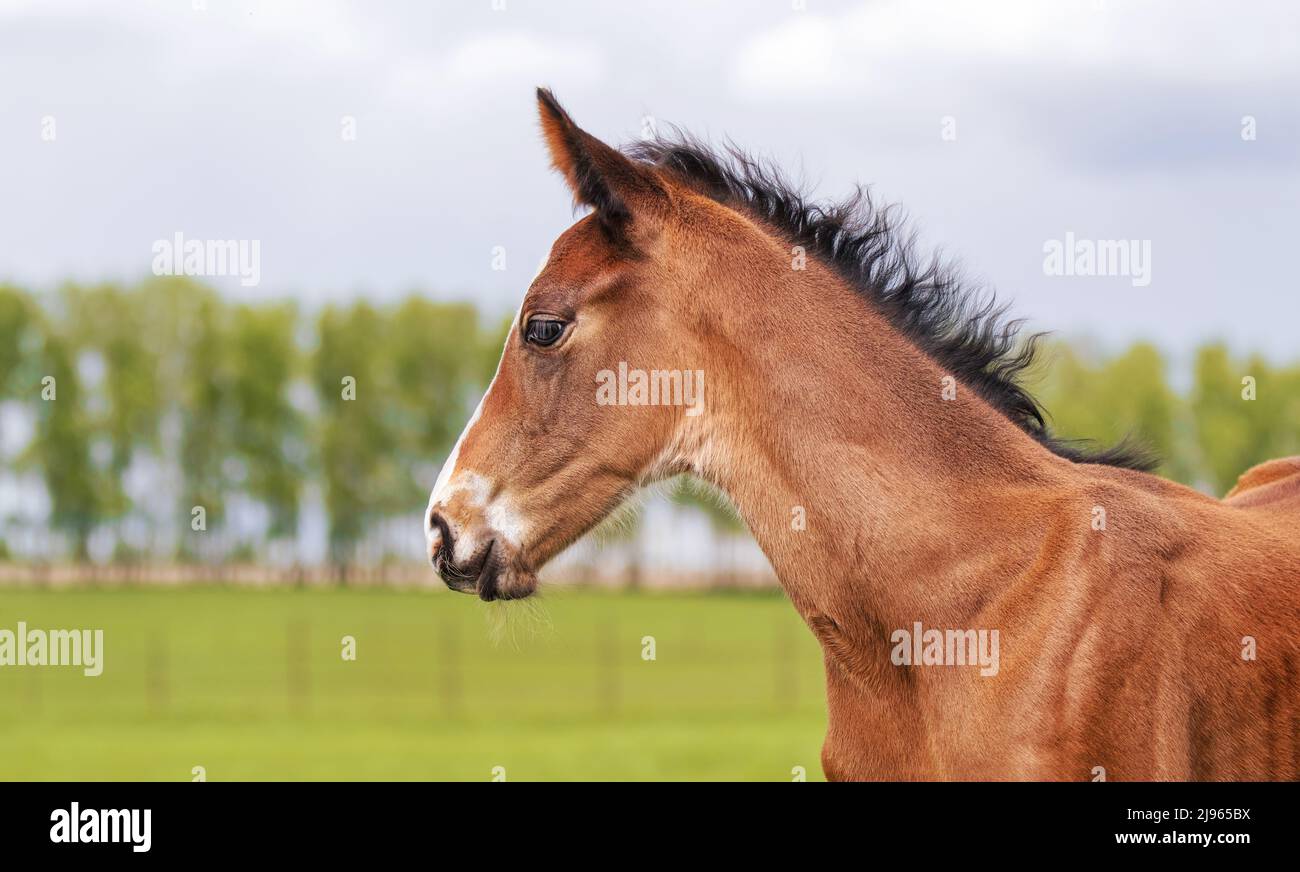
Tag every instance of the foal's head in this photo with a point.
(600, 384)
(690, 264)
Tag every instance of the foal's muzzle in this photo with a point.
(490, 572)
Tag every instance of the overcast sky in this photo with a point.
(1110, 119)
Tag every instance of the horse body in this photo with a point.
(1126, 604)
(863, 414)
(1139, 660)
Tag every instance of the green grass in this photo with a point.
(250, 684)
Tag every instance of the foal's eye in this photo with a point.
(543, 331)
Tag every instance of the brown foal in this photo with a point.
(991, 603)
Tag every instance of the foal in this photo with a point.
(991, 603)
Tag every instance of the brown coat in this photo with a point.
(1145, 631)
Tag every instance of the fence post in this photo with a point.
(157, 686)
(785, 683)
(298, 666)
(450, 667)
(609, 676)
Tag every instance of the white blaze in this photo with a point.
(500, 513)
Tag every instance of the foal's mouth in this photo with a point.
(472, 576)
(482, 575)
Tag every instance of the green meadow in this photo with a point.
(252, 684)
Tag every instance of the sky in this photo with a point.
(375, 149)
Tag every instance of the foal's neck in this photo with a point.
(881, 491)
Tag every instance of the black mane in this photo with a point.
(964, 329)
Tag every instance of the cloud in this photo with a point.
(510, 60)
(879, 47)
(1119, 122)
(794, 59)
(1101, 83)
(521, 56)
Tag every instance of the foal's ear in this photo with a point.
(612, 184)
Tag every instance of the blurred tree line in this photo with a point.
(130, 407)
(234, 404)
(1234, 413)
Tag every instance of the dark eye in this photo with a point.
(543, 331)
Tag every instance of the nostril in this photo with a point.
(439, 537)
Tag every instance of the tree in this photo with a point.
(114, 331)
(19, 341)
(19, 338)
(1245, 412)
(1126, 396)
(202, 390)
(267, 431)
(62, 446)
(356, 444)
